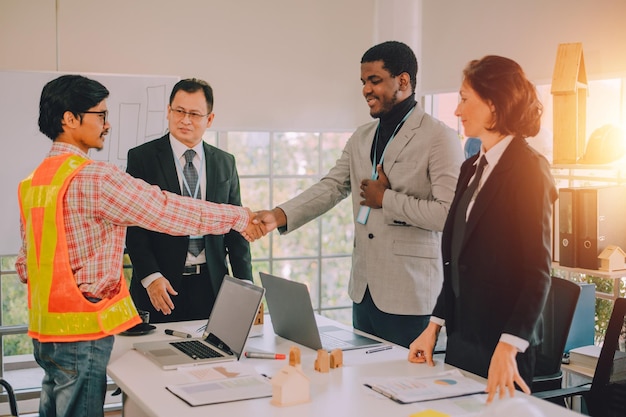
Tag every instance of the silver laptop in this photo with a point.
(291, 311)
(235, 309)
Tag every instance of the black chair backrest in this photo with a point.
(557, 318)
(608, 389)
(11, 396)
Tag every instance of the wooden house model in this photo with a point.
(290, 386)
(612, 258)
(569, 99)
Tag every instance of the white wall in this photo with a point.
(457, 31)
(294, 64)
(274, 64)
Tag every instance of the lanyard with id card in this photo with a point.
(196, 191)
(364, 211)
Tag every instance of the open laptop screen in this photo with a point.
(237, 310)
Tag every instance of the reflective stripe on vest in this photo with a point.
(58, 311)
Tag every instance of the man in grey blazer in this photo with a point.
(402, 171)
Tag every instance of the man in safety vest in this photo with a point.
(74, 214)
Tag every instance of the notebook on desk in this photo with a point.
(225, 336)
(291, 311)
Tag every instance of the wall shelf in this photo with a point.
(616, 276)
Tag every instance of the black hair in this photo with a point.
(397, 58)
(73, 93)
(191, 85)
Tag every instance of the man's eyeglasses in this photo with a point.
(195, 117)
(103, 114)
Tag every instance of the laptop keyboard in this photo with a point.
(330, 343)
(196, 349)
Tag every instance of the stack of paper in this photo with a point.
(585, 356)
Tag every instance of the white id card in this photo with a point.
(364, 213)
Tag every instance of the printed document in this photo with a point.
(410, 389)
(220, 383)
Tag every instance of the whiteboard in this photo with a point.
(137, 113)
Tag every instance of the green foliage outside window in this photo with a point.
(604, 306)
(14, 308)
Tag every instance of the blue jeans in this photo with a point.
(74, 383)
(396, 328)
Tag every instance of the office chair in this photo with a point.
(557, 318)
(11, 396)
(606, 395)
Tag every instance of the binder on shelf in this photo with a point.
(567, 227)
(601, 221)
(554, 232)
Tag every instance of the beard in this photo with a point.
(386, 106)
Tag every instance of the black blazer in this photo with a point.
(157, 252)
(505, 258)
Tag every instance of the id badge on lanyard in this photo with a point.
(186, 185)
(364, 211)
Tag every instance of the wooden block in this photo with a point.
(322, 363)
(569, 97)
(336, 359)
(259, 315)
(294, 356)
(569, 68)
(567, 146)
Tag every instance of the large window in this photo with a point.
(275, 166)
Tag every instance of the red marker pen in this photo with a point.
(263, 355)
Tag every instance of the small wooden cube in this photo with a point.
(322, 363)
(336, 359)
(294, 356)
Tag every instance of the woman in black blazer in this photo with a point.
(496, 240)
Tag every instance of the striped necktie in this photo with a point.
(196, 245)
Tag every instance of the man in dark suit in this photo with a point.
(177, 278)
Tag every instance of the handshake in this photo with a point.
(262, 222)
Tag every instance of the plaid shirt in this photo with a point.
(102, 200)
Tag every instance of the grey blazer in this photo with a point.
(397, 254)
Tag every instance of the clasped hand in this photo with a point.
(262, 222)
(254, 229)
(372, 191)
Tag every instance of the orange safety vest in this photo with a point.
(57, 310)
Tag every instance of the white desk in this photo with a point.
(339, 392)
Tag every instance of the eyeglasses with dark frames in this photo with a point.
(103, 114)
(195, 117)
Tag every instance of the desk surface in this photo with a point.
(339, 392)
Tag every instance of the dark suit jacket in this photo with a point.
(504, 262)
(157, 252)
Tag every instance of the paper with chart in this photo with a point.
(223, 382)
(410, 389)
